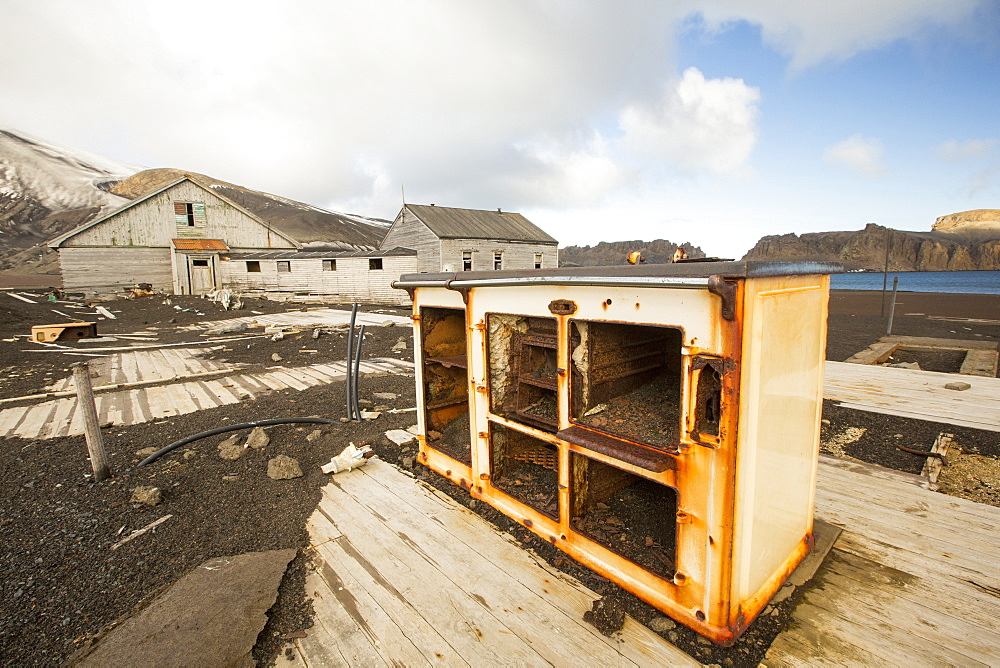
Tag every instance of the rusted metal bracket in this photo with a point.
(562, 307)
(727, 290)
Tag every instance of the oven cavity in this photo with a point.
(632, 516)
(446, 385)
(525, 468)
(626, 381)
(523, 370)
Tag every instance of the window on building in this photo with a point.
(329, 265)
(374, 263)
(498, 260)
(466, 260)
(189, 214)
(253, 266)
(284, 266)
(199, 263)
(538, 260)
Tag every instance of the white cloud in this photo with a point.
(699, 124)
(811, 32)
(863, 154)
(971, 149)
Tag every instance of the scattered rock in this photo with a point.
(344, 419)
(825, 422)
(407, 462)
(231, 448)
(190, 454)
(662, 624)
(388, 323)
(275, 357)
(146, 452)
(230, 478)
(385, 396)
(227, 328)
(400, 436)
(401, 344)
(314, 435)
(283, 467)
(904, 365)
(370, 415)
(258, 438)
(960, 386)
(783, 593)
(151, 496)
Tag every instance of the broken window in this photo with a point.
(626, 381)
(189, 214)
(523, 369)
(253, 266)
(538, 260)
(628, 514)
(329, 265)
(199, 263)
(284, 266)
(498, 260)
(374, 263)
(466, 260)
(525, 468)
(446, 383)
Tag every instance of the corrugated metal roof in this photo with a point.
(449, 223)
(328, 254)
(200, 244)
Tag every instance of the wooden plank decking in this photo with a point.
(405, 575)
(915, 394)
(320, 317)
(408, 576)
(914, 579)
(59, 417)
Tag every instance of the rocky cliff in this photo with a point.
(961, 241)
(608, 253)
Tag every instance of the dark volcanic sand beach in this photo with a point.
(64, 584)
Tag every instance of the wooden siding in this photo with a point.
(105, 269)
(515, 255)
(153, 223)
(408, 232)
(352, 280)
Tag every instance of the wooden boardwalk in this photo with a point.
(159, 365)
(407, 576)
(913, 580)
(320, 317)
(59, 417)
(915, 394)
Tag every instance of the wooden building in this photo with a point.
(187, 237)
(449, 239)
(362, 276)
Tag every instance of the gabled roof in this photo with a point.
(300, 224)
(55, 243)
(449, 223)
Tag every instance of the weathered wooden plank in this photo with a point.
(512, 577)
(465, 618)
(402, 633)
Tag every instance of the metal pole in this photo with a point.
(892, 306)
(85, 402)
(885, 270)
(357, 371)
(350, 349)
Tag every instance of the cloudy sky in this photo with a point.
(713, 122)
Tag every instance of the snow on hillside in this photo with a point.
(57, 177)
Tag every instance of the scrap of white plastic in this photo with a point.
(351, 458)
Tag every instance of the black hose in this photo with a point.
(233, 427)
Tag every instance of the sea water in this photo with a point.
(962, 282)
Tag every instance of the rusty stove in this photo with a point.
(658, 423)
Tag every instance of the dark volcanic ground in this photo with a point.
(65, 584)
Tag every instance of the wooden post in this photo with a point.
(85, 402)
